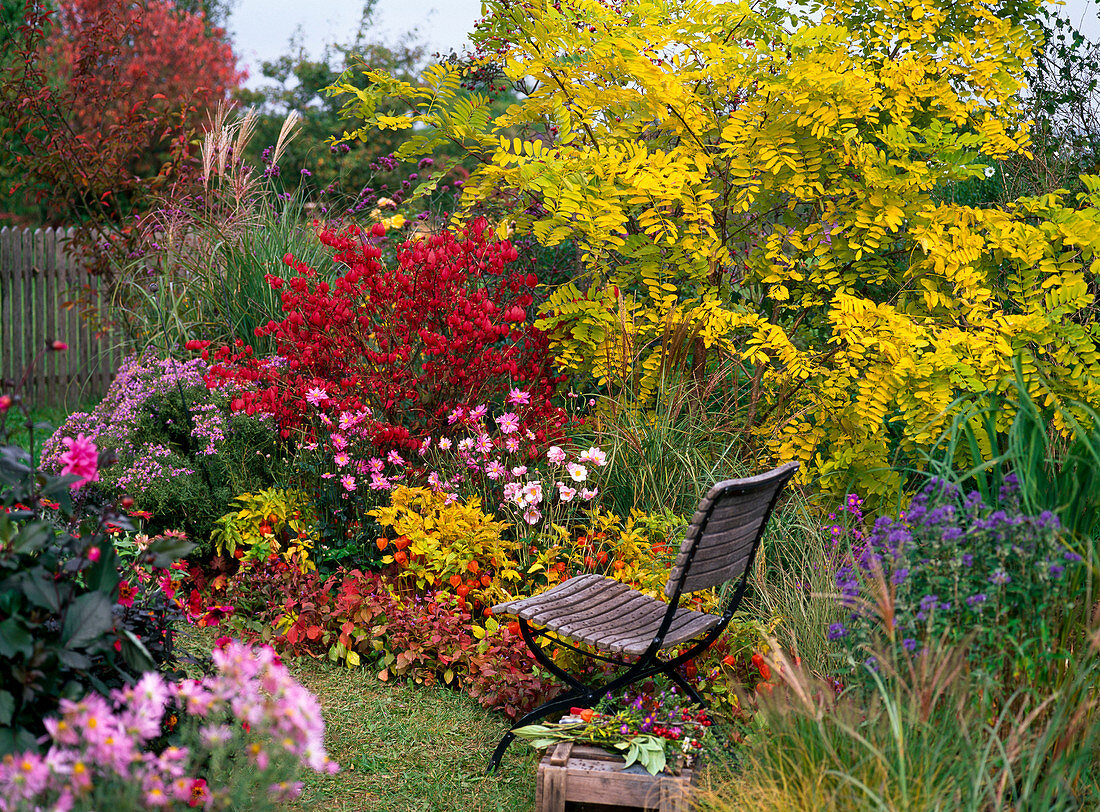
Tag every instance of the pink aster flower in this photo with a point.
(444, 443)
(425, 446)
(494, 470)
(395, 459)
(477, 412)
(348, 481)
(508, 423)
(519, 470)
(518, 397)
(81, 458)
(375, 465)
(565, 492)
(316, 396)
(341, 459)
(339, 442)
(511, 444)
(589, 495)
(483, 445)
(379, 482)
(455, 416)
(555, 455)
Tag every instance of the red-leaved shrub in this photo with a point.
(447, 327)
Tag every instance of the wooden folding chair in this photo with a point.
(630, 629)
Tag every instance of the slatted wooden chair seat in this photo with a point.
(607, 615)
(630, 629)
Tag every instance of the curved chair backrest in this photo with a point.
(721, 541)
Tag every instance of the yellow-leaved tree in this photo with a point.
(772, 187)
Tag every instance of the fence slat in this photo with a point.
(8, 349)
(55, 393)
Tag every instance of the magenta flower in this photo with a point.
(82, 459)
(508, 423)
(518, 397)
(348, 481)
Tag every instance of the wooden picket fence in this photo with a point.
(37, 280)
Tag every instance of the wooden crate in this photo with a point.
(579, 773)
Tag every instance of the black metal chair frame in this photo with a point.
(649, 664)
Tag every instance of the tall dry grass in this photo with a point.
(203, 274)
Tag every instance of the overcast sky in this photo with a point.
(262, 28)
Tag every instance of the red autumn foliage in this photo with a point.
(428, 639)
(446, 327)
(157, 57)
(101, 99)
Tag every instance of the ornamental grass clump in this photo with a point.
(920, 738)
(952, 568)
(235, 739)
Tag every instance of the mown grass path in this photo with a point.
(409, 747)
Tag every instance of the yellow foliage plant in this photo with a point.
(775, 182)
(272, 521)
(442, 544)
(638, 550)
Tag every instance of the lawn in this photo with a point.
(409, 747)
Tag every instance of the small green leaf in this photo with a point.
(74, 659)
(7, 707)
(32, 538)
(102, 576)
(135, 653)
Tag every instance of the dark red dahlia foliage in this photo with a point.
(447, 327)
